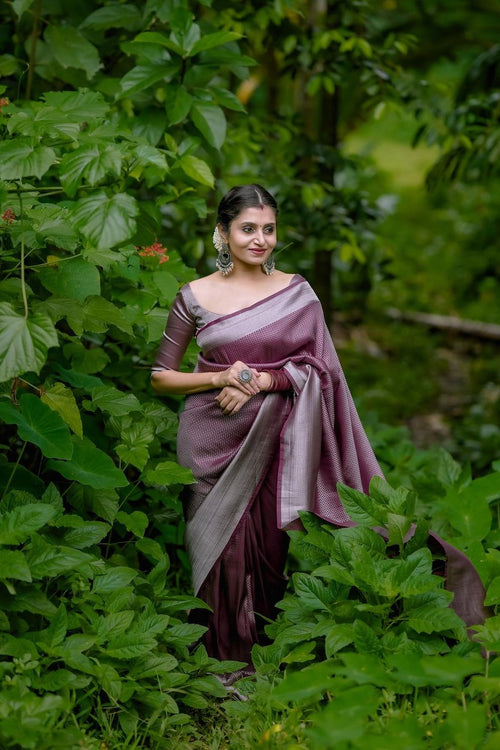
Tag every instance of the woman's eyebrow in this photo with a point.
(253, 224)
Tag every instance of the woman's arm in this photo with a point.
(166, 378)
(184, 383)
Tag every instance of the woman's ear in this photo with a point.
(222, 233)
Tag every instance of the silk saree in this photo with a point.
(282, 453)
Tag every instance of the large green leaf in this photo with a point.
(91, 466)
(60, 398)
(19, 523)
(360, 507)
(20, 158)
(210, 121)
(113, 401)
(168, 472)
(72, 277)
(49, 560)
(209, 41)
(114, 580)
(130, 646)
(117, 16)
(143, 76)
(13, 565)
(99, 314)
(71, 49)
(90, 163)
(86, 535)
(197, 169)
(310, 682)
(24, 342)
(39, 424)
(178, 104)
(19, 6)
(41, 120)
(78, 106)
(29, 599)
(136, 522)
(51, 225)
(106, 221)
(156, 37)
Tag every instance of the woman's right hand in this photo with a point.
(231, 377)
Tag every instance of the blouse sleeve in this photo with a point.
(179, 331)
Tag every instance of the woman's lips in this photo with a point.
(258, 250)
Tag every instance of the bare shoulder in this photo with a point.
(204, 282)
(280, 279)
(208, 288)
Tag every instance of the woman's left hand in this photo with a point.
(231, 399)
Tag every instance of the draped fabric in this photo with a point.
(255, 470)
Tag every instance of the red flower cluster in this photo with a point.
(3, 103)
(155, 250)
(8, 216)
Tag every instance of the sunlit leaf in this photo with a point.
(178, 105)
(20, 158)
(168, 472)
(78, 106)
(89, 163)
(210, 121)
(137, 522)
(147, 74)
(24, 342)
(61, 399)
(217, 39)
(197, 169)
(20, 6)
(106, 221)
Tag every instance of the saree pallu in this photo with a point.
(284, 452)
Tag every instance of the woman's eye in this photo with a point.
(247, 229)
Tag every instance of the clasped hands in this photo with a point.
(234, 394)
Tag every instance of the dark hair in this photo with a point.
(241, 197)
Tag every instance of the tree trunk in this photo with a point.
(321, 116)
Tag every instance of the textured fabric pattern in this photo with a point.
(313, 433)
(306, 436)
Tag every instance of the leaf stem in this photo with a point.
(23, 280)
(9, 481)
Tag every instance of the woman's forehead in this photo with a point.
(257, 215)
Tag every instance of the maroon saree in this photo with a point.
(282, 453)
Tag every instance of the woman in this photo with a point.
(269, 426)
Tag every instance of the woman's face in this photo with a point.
(252, 236)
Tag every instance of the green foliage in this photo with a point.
(123, 115)
(82, 630)
(366, 651)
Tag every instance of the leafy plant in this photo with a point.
(367, 639)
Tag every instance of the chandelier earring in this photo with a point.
(224, 262)
(269, 265)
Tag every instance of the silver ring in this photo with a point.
(245, 375)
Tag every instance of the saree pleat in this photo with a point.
(247, 580)
(282, 453)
